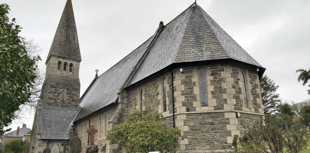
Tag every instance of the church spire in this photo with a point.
(65, 43)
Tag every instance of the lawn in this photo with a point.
(306, 150)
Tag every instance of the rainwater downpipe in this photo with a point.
(172, 94)
(88, 128)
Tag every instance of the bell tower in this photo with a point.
(61, 87)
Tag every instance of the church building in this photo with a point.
(190, 70)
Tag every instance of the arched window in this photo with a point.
(63, 95)
(59, 65)
(65, 66)
(141, 100)
(203, 88)
(164, 95)
(245, 98)
(70, 67)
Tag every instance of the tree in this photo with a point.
(144, 132)
(286, 109)
(33, 51)
(298, 106)
(17, 69)
(27, 110)
(304, 76)
(305, 114)
(269, 96)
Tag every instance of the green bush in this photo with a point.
(144, 132)
(251, 147)
(274, 133)
(305, 115)
(295, 137)
(16, 146)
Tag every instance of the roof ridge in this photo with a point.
(143, 56)
(149, 38)
(182, 12)
(204, 12)
(91, 84)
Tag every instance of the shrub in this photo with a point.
(16, 146)
(295, 137)
(277, 132)
(144, 132)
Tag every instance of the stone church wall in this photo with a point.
(224, 90)
(101, 122)
(214, 125)
(208, 129)
(52, 67)
(61, 88)
(152, 95)
(61, 92)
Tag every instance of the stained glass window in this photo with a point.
(203, 88)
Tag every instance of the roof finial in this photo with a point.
(96, 73)
(195, 1)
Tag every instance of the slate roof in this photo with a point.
(190, 37)
(65, 43)
(104, 90)
(22, 132)
(56, 122)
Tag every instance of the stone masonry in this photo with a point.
(211, 128)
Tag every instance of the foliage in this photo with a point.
(17, 69)
(305, 114)
(33, 51)
(304, 76)
(260, 137)
(251, 147)
(296, 137)
(269, 96)
(144, 132)
(278, 132)
(1, 148)
(286, 109)
(16, 146)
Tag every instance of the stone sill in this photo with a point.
(215, 111)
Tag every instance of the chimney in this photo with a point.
(24, 125)
(17, 132)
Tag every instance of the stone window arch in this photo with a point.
(164, 95)
(59, 65)
(203, 89)
(65, 66)
(245, 97)
(70, 67)
(141, 99)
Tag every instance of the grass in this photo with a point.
(306, 150)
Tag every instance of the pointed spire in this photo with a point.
(65, 43)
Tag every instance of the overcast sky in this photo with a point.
(275, 33)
